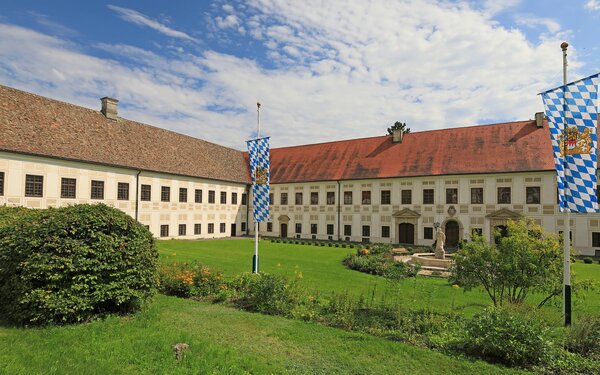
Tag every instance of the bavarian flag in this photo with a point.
(572, 112)
(258, 150)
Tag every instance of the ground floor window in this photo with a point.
(243, 227)
(477, 231)
(182, 229)
(222, 227)
(211, 228)
(164, 231)
(313, 229)
(269, 227)
(366, 231)
(330, 229)
(298, 228)
(428, 233)
(197, 228)
(347, 230)
(385, 231)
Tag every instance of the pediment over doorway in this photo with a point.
(406, 213)
(283, 218)
(504, 213)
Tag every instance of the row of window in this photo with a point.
(34, 187)
(164, 229)
(532, 194)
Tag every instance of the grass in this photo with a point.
(222, 341)
(321, 270)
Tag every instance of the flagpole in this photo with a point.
(567, 227)
(255, 257)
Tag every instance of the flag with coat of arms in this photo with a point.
(572, 112)
(258, 150)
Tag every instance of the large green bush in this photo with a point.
(266, 293)
(379, 265)
(507, 336)
(74, 263)
(584, 336)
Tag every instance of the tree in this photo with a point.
(398, 126)
(526, 260)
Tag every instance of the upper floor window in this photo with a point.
(428, 196)
(347, 197)
(299, 198)
(198, 196)
(146, 192)
(223, 197)
(34, 186)
(532, 194)
(284, 198)
(211, 196)
(68, 187)
(182, 195)
(330, 197)
(452, 196)
(244, 199)
(271, 199)
(406, 197)
(123, 191)
(165, 194)
(476, 195)
(97, 190)
(386, 197)
(504, 195)
(233, 198)
(314, 197)
(366, 197)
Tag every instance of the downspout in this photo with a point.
(137, 195)
(339, 210)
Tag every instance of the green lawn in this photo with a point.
(322, 271)
(222, 341)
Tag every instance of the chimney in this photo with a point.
(109, 107)
(539, 119)
(397, 136)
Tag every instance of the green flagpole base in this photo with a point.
(567, 305)
(255, 264)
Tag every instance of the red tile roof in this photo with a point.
(40, 126)
(507, 147)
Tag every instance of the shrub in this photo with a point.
(588, 260)
(189, 280)
(337, 245)
(584, 336)
(329, 244)
(378, 265)
(507, 336)
(344, 245)
(266, 293)
(74, 263)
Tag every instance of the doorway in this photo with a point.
(233, 230)
(406, 233)
(283, 232)
(452, 234)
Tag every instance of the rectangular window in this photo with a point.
(211, 228)
(165, 194)
(298, 228)
(386, 197)
(164, 231)
(532, 194)
(347, 197)
(314, 197)
(428, 196)
(1, 183)
(406, 197)
(34, 185)
(197, 228)
(385, 231)
(182, 195)
(223, 197)
(243, 227)
(123, 191)
(233, 198)
(198, 196)
(595, 239)
(347, 230)
(428, 233)
(366, 231)
(269, 227)
(244, 199)
(476, 232)
(330, 197)
(146, 193)
(68, 187)
(97, 190)
(284, 199)
(298, 199)
(366, 197)
(211, 196)
(222, 227)
(503, 195)
(476, 195)
(330, 229)
(451, 196)
(182, 229)
(313, 229)
(271, 199)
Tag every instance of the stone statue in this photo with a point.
(440, 237)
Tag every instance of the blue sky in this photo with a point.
(323, 70)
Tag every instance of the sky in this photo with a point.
(322, 70)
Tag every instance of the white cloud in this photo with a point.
(531, 21)
(140, 19)
(340, 72)
(592, 5)
(227, 21)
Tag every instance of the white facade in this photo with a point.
(370, 220)
(179, 219)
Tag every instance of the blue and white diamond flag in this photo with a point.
(258, 149)
(572, 112)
